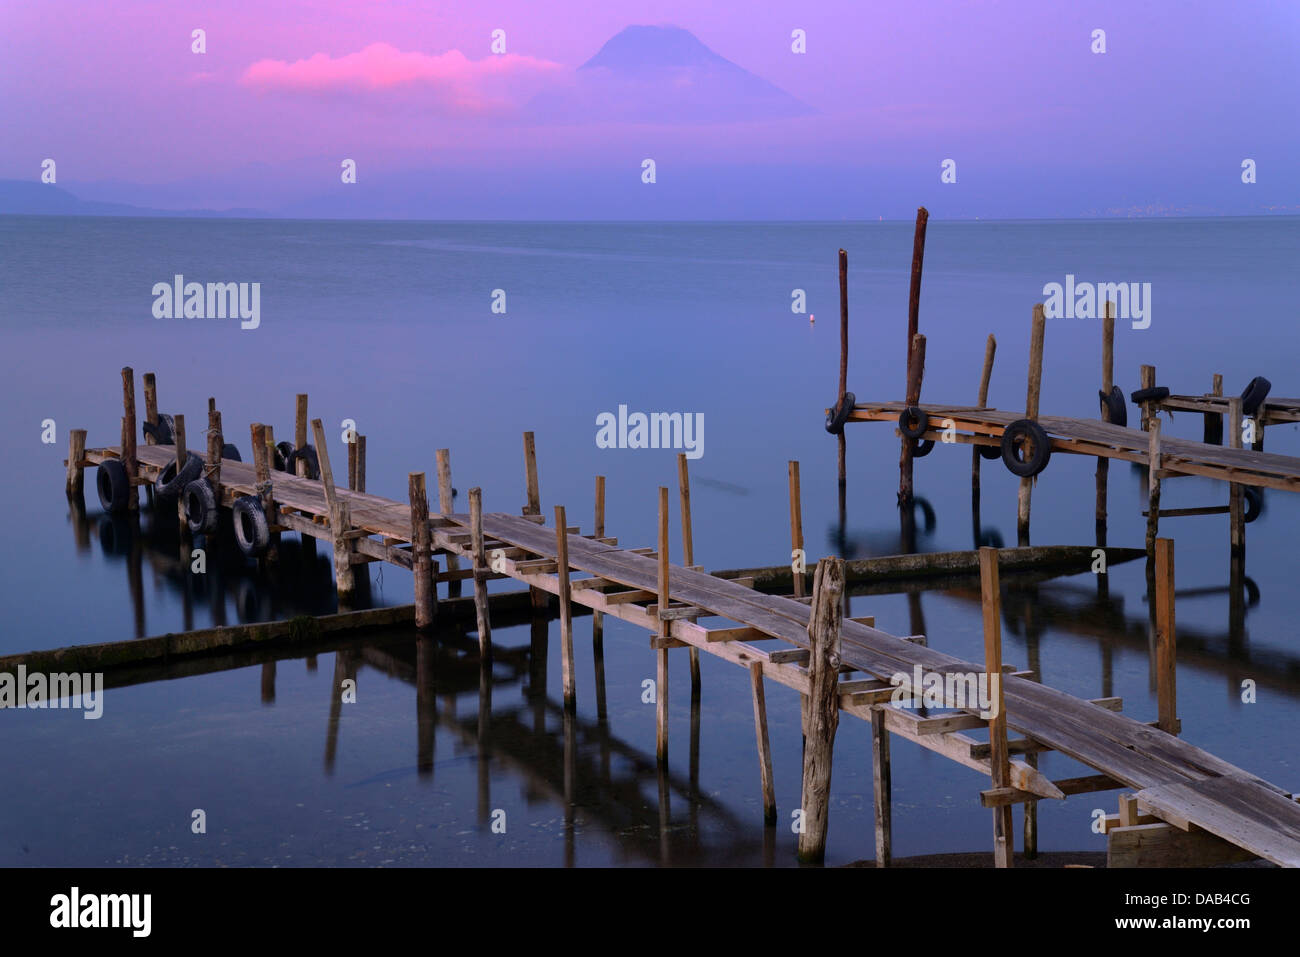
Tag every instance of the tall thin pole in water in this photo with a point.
(844, 360)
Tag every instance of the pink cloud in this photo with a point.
(460, 84)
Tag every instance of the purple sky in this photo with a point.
(1037, 123)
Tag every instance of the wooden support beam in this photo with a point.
(151, 405)
(1153, 484)
(1236, 501)
(76, 479)
(340, 518)
(597, 617)
(796, 528)
(882, 788)
(824, 626)
(844, 362)
(688, 549)
(1107, 383)
(661, 671)
(426, 600)
(566, 613)
(915, 375)
(215, 444)
(446, 504)
(764, 744)
(300, 430)
(1162, 845)
(1035, 379)
(182, 456)
(129, 461)
(986, 374)
(262, 473)
(1166, 641)
(999, 758)
(480, 574)
(1146, 380)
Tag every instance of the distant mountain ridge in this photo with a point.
(20, 197)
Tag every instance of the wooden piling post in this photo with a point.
(688, 548)
(999, 755)
(262, 450)
(882, 788)
(300, 430)
(215, 443)
(361, 464)
(1166, 640)
(340, 520)
(1107, 383)
(764, 743)
(1153, 485)
(182, 456)
(986, 375)
(1039, 325)
(76, 481)
(1236, 503)
(446, 505)
(480, 574)
(151, 405)
(598, 617)
(566, 610)
(914, 292)
(796, 526)
(128, 438)
(844, 359)
(1209, 428)
(539, 599)
(661, 676)
(422, 565)
(915, 373)
(824, 624)
(352, 462)
(1146, 380)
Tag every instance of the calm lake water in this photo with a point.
(391, 324)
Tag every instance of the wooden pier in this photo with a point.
(838, 665)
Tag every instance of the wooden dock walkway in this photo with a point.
(772, 636)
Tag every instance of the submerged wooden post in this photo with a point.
(128, 438)
(796, 528)
(999, 755)
(823, 705)
(1153, 485)
(1039, 325)
(844, 359)
(480, 573)
(1166, 640)
(446, 505)
(1107, 383)
(422, 561)
(882, 788)
(182, 456)
(1236, 504)
(661, 675)
(566, 610)
(764, 743)
(151, 406)
(915, 373)
(340, 520)
(688, 549)
(986, 374)
(76, 481)
(300, 430)
(598, 617)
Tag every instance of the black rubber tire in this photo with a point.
(928, 517)
(1154, 394)
(252, 532)
(913, 414)
(1114, 405)
(991, 538)
(283, 451)
(113, 485)
(1014, 437)
(990, 452)
(1212, 431)
(308, 454)
(164, 433)
(839, 414)
(923, 448)
(1253, 396)
(200, 507)
(229, 451)
(168, 486)
(1254, 499)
